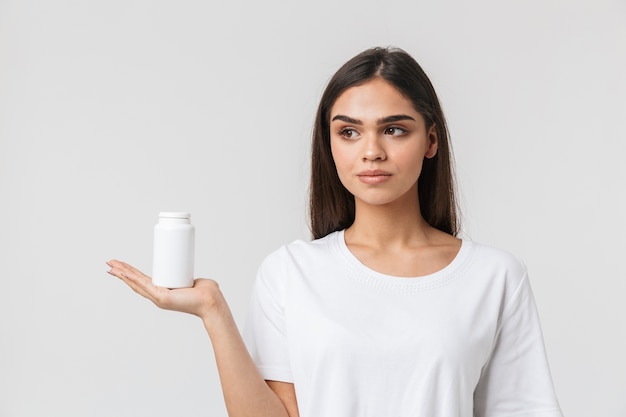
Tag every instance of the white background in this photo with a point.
(111, 111)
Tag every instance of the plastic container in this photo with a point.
(173, 253)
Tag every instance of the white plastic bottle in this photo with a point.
(173, 254)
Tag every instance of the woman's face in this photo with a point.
(378, 142)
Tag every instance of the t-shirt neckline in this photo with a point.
(370, 277)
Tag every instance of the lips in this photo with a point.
(373, 176)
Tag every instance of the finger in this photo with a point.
(132, 281)
(136, 280)
(125, 268)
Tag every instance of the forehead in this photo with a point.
(373, 99)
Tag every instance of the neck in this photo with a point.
(398, 222)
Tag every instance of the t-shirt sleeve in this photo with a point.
(516, 380)
(265, 332)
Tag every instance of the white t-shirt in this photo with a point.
(464, 341)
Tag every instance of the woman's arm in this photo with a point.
(245, 391)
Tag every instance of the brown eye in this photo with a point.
(348, 133)
(394, 131)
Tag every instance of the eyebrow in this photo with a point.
(383, 120)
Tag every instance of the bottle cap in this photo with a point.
(174, 215)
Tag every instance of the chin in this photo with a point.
(407, 198)
(375, 201)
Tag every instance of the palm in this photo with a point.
(198, 300)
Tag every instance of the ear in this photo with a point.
(432, 142)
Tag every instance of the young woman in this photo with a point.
(386, 312)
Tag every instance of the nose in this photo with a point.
(373, 149)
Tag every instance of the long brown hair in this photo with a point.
(331, 205)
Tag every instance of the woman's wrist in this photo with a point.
(216, 316)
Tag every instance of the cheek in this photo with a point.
(410, 161)
(343, 164)
(339, 156)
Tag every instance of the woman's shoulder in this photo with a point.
(496, 264)
(494, 254)
(302, 251)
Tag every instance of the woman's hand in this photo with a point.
(204, 299)
(245, 391)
